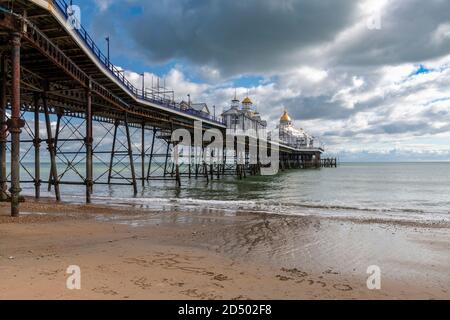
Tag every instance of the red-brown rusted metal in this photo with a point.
(15, 124)
(3, 129)
(88, 143)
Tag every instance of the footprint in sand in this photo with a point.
(221, 277)
(142, 283)
(300, 275)
(283, 278)
(295, 272)
(51, 274)
(323, 284)
(173, 283)
(105, 291)
(330, 271)
(342, 287)
(240, 297)
(139, 261)
(193, 293)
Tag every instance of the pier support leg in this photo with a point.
(151, 154)
(14, 125)
(143, 154)
(37, 147)
(205, 166)
(51, 149)
(52, 179)
(88, 143)
(211, 165)
(167, 157)
(196, 161)
(177, 165)
(113, 150)
(190, 161)
(224, 161)
(218, 164)
(3, 130)
(130, 154)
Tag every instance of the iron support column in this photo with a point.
(14, 125)
(177, 166)
(55, 146)
(167, 158)
(143, 154)
(130, 154)
(88, 142)
(37, 147)
(3, 130)
(151, 154)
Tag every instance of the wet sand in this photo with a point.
(131, 253)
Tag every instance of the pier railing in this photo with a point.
(146, 95)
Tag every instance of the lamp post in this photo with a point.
(107, 43)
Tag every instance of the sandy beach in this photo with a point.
(131, 253)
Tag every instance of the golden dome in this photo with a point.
(247, 101)
(285, 117)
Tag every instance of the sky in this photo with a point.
(369, 78)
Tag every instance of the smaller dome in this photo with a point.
(247, 101)
(285, 117)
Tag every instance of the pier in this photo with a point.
(62, 99)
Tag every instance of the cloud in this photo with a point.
(411, 32)
(235, 37)
(103, 5)
(345, 83)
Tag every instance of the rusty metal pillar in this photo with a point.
(190, 161)
(88, 142)
(15, 124)
(51, 149)
(111, 161)
(177, 165)
(224, 160)
(218, 164)
(55, 146)
(167, 158)
(151, 154)
(143, 153)
(130, 155)
(317, 160)
(37, 149)
(205, 165)
(3, 130)
(211, 164)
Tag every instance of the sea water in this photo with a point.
(411, 191)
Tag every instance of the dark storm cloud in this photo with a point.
(235, 36)
(310, 108)
(257, 36)
(409, 33)
(323, 107)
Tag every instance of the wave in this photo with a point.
(274, 207)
